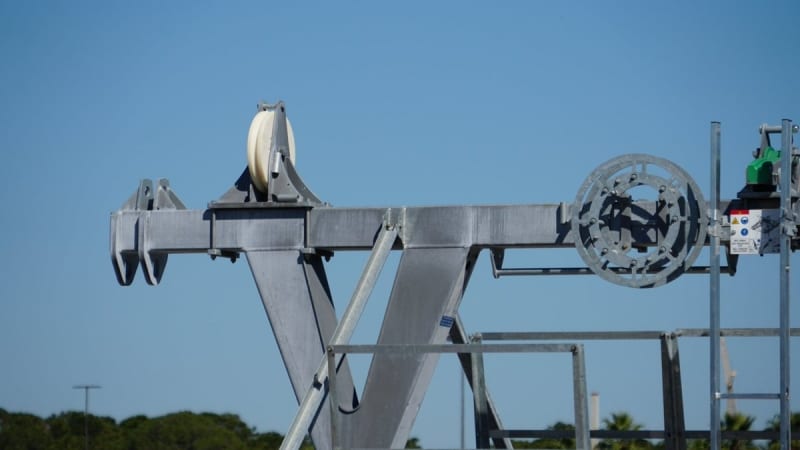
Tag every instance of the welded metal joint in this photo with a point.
(393, 218)
(213, 251)
(496, 257)
(311, 252)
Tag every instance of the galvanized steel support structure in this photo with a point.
(788, 231)
(286, 234)
(674, 434)
(714, 295)
(484, 432)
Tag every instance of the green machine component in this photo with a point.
(760, 171)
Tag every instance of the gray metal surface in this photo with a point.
(484, 430)
(311, 402)
(633, 434)
(580, 398)
(742, 332)
(249, 228)
(458, 335)
(603, 223)
(126, 258)
(480, 399)
(302, 318)
(427, 290)
(286, 231)
(672, 394)
(286, 244)
(714, 290)
(788, 231)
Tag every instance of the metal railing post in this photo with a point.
(714, 296)
(787, 232)
(479, 396)
(580, 399)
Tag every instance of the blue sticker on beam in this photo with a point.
(446, 321)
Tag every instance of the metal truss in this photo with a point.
(286, 233)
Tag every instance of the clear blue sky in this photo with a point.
(414, 103)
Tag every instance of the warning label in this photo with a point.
(755, 231)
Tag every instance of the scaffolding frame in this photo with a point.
(489, 430)
(788, 231)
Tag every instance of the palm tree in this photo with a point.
(775, 425)
(737, 422)
(413, 443)
(732, 422)
(623, 421)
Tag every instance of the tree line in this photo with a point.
(208, 431)
(177, 431)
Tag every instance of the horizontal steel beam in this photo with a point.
(630, 434)
(753, 396)
(454, 348)
(740, 332)
(570, 335)
(245, 229)
(625, 335)
(537, 271)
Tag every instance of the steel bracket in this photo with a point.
(145, 199)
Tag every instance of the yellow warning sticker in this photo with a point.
(735, 221)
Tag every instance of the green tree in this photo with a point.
(698, 444)
(622, 421)
(737, 422)
(731, 422)
(413, 443)
(186, 430)
(551, 443)
(267, 441)
(68, 431)
(233, 423)
(20, 431)
(272, 440)
(775, 425)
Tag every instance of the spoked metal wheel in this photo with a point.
(638, 241)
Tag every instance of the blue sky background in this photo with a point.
(392, 104)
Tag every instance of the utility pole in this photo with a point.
(86, 388)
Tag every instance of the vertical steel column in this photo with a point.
(293, 290)
(461, 410)
(787, 232)
(458, 335)
(674, 423)
(330, 357)
(479, 396)
(714, 296)
(581, 402)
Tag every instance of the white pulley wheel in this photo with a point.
(259, 144)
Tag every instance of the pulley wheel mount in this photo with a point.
(639, 242)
